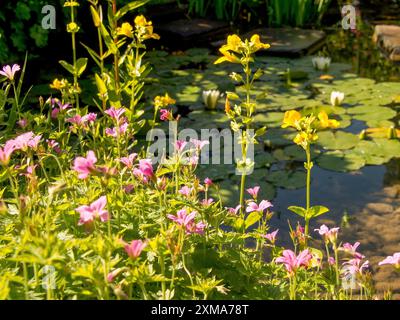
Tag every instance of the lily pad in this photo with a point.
(338, 140)
(340, 161)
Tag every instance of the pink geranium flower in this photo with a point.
(199, 144)
(10, 72)
(393, 260)
(264, 205)
(207, 202)
(144, 170)
(271, 236)
(352, 249)
(355, 266)
(234, 210)
(165, 115)
(6, 152)
(117, 131)
(293, 262)
(185, 191)
(135, 248)
(26, 140)
(84, 166)
(93, 211)
(23, 123)
(253, 191)
(187, 221)
(330, 235)
(115, 113)
(129, 160)
(208, 182)
(180, 145)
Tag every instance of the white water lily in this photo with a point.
(210, 98)
(337, 98)
(321, 63)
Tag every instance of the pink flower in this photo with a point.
(129, 160)
(355, 266)
(5, 153)
(291, 262)
(253, 191)
(92, 211)
(180, 145)
(331, 261)
(208, 182)
(234, 210)
(76, 119)
(115, 113)
(186, 220)
(23, 123)
(84, 166)
(61, 107)
(185, 191)
(264, 204)
(144, 171)
(352, 249)
(90, 117)
(128, 188)
(393, 260)
(198, 144)
(271, 236)
(330, 235)
(207, 202)
(54, 145)
(10, 72)
(135, 248)
(26, 140)
(117, 131)
(165, 115)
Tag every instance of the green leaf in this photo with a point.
(67, 66)
(238, 224)
(101, 86)
(81, 64)
(252, 218)
(129, 7)
(108, 40)
(316, 211)
(298, 210)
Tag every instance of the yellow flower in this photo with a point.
(163, 101)
(227, 56)
(145, 28)
(291, 119)
(125, 30)
(325, 122)
(233, 43)
(303, 138)
(71, 4)
(72, 27)
(141, 21)
(58, 85)
(257, 44)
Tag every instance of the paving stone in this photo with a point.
(387, 38)
(290, 42)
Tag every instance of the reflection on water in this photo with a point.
(341, 192)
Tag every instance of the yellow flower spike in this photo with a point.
(145, 28)
(325, 122)
(163, 101)
(58, 84)
(257, 44)
(291, 118)
(125, 30)
(233, 43)
(303, 139)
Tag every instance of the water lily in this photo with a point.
(210, 98)
(337, 98)
(321, 63)
(93, 211)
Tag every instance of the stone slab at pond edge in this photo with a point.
(194, 32)
(387, 37)
(289, 42)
